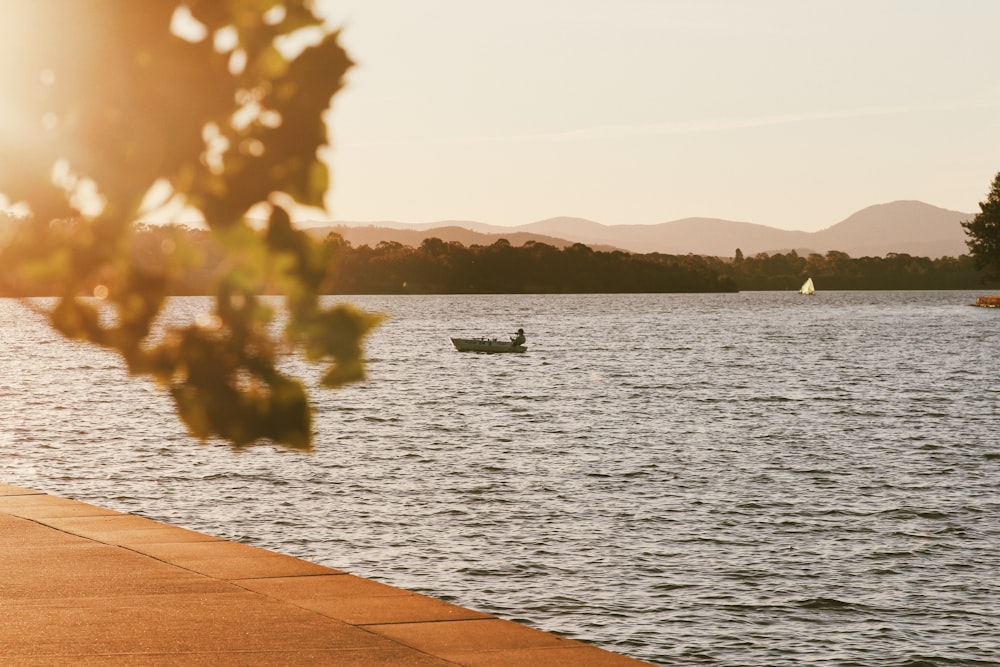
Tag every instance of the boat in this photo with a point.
(490, 345)
(988, 301)
(807, 287)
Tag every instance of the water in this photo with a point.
(733, 479)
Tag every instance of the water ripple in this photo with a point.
(753, 479)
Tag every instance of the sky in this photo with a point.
(788, 113)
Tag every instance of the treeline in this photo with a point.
(437, 267)
(838, 271)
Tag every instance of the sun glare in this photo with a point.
(13, 209)
(186, 26)
(83, 193)
(162, 205)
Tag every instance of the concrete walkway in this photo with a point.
(84, 585)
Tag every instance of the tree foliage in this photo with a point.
(839, 271)
(438, 267)
(984, 233)
(106, 106)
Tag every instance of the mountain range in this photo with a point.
(909, 227)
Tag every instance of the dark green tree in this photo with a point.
(984, 234)
(216, 105)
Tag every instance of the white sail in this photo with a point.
(807, 287)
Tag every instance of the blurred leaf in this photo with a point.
(105, 102)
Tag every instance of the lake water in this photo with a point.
(726, 479)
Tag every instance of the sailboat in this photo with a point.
(807, 287)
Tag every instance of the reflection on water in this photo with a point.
(754, 478)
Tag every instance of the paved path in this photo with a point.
(85, 585)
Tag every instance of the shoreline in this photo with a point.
(81, 583)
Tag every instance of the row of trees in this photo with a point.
(838, 271)
(437, 267)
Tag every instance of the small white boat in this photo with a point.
(492, 345)
(807, 287)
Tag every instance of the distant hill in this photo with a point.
(909, 227)
(903, 226)
(371, 235)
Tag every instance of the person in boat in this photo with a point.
(519, 339)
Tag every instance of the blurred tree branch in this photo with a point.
(108, 102)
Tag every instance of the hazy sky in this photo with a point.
(789, 113)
